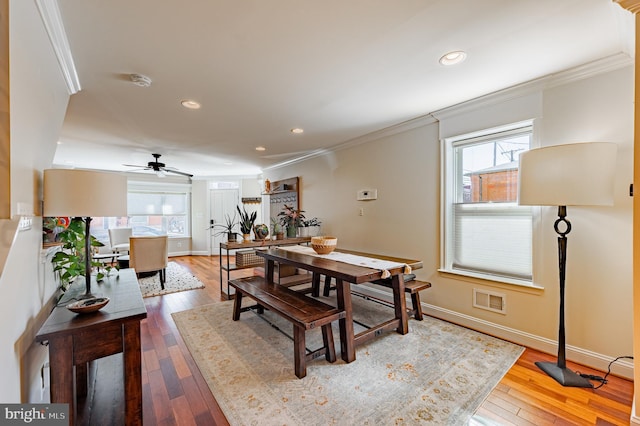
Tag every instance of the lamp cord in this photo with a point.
(603, 380)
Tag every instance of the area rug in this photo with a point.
(438, 373)
(178, 279)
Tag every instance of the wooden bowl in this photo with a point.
(324, 245)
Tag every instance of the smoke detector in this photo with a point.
(140, 80)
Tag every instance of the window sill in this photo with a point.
(491, 280)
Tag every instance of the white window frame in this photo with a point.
(522, 273)
(162, 189)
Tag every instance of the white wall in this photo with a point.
(404, 220)
(38, 103)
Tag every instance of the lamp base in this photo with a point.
(564, 376)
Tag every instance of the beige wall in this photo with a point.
(405, 219)
(38, 103)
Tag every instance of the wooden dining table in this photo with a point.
(345, 274)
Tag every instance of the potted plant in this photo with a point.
(291, 219)
(310, 228)
(69, 262)
(276, 229)
(228, 227)
(246, 223)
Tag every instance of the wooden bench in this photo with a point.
(303, 312)
(411, 286)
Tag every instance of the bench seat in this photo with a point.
(411, 286)
(303, 312)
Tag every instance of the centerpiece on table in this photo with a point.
(227, 228)
(247, 220)
(291, 219)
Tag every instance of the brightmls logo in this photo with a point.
(37, 414)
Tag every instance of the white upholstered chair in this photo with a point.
(119, 239)
(148, 254)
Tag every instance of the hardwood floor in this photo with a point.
(175, 393)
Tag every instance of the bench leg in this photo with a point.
(327, 339)
(417, 308)
(237, 306)
(299, 352)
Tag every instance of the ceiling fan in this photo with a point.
(160, 168)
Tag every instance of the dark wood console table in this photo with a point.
(76, 339)
(256, 244)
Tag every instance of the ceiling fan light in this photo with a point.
(160, 173)
(140, 80)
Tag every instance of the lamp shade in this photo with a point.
(84, 193)
(578, 174)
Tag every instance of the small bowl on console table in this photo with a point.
(324, 245)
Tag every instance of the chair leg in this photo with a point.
(162, 278)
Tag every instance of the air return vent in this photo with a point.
(494, 302)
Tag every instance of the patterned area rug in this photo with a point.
(178, 279)
(438, 374)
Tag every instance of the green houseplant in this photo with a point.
(246, 222)
(292, 219)
(69, 262)
(228, 227)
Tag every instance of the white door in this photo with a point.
(223, 203)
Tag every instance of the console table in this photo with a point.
(76, 339)
(229, 246)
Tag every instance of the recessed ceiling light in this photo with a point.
(453, 58)
(297, 130)
(260, 148)
(228, 163)
(190, 104)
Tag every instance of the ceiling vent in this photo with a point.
(140, 80)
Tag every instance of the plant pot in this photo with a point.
(246, 238)
(232, 237)
(292, 231)
(279, 235)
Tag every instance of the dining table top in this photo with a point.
(356, 274)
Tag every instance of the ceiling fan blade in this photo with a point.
(135, 165)
(189, 175)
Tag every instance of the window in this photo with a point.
(159, 213)
(486, 233)
(153, 209)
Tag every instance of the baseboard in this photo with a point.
(180, 253)
(634, 420)
(622, 368)
(201, 253)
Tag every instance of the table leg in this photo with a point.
(132, 356)
(315, 284)
(62, 377)
(269, 270)
(400, 303)
(347, 337)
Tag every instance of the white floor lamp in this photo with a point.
(579, 174)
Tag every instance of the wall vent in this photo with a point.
(491, 301)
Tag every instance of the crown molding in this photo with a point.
(590, 69)
(632, 6)
(50, 14)
(607, 64)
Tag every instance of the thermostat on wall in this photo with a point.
(367, 194)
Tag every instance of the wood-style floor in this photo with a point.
(175, 393)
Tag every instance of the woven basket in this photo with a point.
(324, 245)
(248, 257)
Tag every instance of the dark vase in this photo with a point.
(291, 231)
